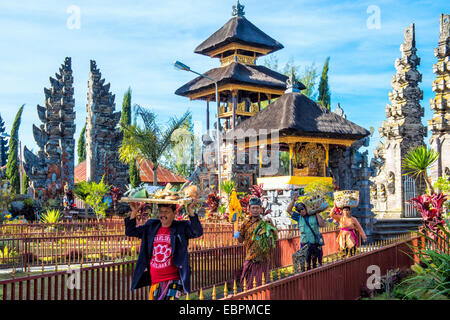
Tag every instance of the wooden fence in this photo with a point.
(339, 280)
(336, 280)
(109, 244)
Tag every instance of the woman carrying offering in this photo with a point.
(350, 231)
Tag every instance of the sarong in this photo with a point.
(254, 270)
(166, 290)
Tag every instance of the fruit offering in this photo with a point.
(345, 198)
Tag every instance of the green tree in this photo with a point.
(95, 198)
(181, 155)
(81, 150)
(25, 181)
(12, 167)
(324, 92)
(150, 141)
(125, 120)
(308, 76)
(417, 161)
(125, 117)
(135, 177)
(3, 144)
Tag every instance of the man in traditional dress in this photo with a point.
(256, 262)
(163, 259)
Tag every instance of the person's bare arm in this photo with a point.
(130, 223)
(333, 215)
(242, 232)
(359, 228)
(291, 205)
(320, 220)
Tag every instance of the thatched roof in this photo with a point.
(238, 29)
(293, 114)
(237, 73)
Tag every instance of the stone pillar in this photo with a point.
(402, 131)
(53, 165)
(440, 123)
(103, 136)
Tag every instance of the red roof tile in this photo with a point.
(164, 174)
(79, 173)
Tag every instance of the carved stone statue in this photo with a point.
(373, 191)
(391, 182)
(382, 193)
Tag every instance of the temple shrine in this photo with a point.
(285, 145)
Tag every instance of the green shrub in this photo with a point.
(432, 277)
(51, 216)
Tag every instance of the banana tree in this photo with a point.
(417, 161)
(148, 142)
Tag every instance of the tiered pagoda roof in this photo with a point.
(237, 44)
(238, 30)
(294, 114)
(236, 73)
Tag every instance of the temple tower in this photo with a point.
(402, 131)
(244, 88)
(53, 165)
(440, 124)
(103, 136)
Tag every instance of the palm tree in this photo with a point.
(417, 161)
(150, 141)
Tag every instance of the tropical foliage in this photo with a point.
(416, 163)
(125, 120)
(227, 186)
(150, 141)
(95, 198)
(265, 235)
(430, 207)
(51, 216)
(432, 277)
(93, 194)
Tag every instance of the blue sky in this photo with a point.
(136, 42)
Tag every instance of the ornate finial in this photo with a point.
(238, 10)
(444, 25)
(340, 112)
(410, 39)
(292, 84)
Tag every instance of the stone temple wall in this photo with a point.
(402, 131)
(103, 136)
(440, 104)
(53, 166)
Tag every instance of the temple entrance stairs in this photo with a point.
(388, 228)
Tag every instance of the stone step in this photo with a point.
(404, 220)
(389, 232)
(396, 226)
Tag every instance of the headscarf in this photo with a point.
(254, 202)
(298, 206)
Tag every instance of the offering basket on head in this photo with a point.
(346, 198)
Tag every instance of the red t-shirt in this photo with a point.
(162, 267)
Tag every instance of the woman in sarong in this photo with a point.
(350, 231)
